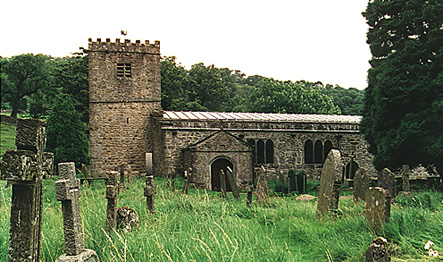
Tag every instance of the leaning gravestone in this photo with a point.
(330, 181)
(233, 183)
(111, 195)
(150, 191)
(23, 168)
(378, 207)
(386, 180)
(68, 191)
(361, 184)
(405, 174)
(262, 186)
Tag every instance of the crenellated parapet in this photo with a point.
(125, 46)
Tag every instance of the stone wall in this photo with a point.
(124, 96)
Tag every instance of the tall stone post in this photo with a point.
(330, 180)
(262, 186)
(222, 183)
(405, 174)
(68, 191)
(111, 195)
(249, 197)
(150, 191)
(23, 168)
(233, 183)
(188, 177)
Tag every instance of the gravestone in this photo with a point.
(127, 218)
(377, 251)
(188, 177)
(330, 181)
(222, 183)
(111, 195)
(361, 184)
(23, 168)
(405, 174)
(233, 183)
(249, 196)
(68, 191)
(378, 207)
(262, 186)
(386, 180)
(150, 191)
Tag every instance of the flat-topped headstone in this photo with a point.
(150, 191)
(233, 183)
(361, 184)
(330, 181)
(68, 191)
(386, 180)
(23, 168)
(378, 207)
(111, 194)
(405, 175)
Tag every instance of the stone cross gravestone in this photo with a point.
(233, 183)
(405, 174)
(111, 195)
(222, 183)
(378, 207)
(23, 168)
(330, 181)
(68, 191)
(386, 180)
(262, 186)
(361, 184)
(150, 191)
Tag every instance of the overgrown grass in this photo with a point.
(7, 136)
(205, 227)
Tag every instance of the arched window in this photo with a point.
(309, 152)
(327, 148)
(318, 152)
(351, 168)
(252, 143)
(260, 151)
(269, 151)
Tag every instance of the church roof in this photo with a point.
(265, 117)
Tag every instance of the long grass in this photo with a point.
(205, 227)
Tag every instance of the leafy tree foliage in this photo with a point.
(403, 108)
(21, 77)
(66, 133)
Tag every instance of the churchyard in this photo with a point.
(190, 224)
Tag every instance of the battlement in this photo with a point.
(125, 47)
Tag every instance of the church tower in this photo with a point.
(124, 101)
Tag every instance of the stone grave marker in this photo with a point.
(378, 207)
(68, 191)
(249, 196)
(111, 194)
(330, 181)
(386, 180)
(361, 184)
(222, 183)
(262, 186)
(233, 183)
(405, 174)
(150, 191)
(127, 218)
(23, 168)
(377, 251)
(188, 177)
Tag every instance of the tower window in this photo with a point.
(124, 70)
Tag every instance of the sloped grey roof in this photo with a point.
(265, 117)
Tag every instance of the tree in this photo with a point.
(66, 133)
(402, 119)
(21, 77)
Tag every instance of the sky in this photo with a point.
(312, 40)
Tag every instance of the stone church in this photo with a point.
(127, 121)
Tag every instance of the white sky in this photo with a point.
(314, 40)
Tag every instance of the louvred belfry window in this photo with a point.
(124, 70)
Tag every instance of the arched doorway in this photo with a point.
(350, 170)
(216, 167)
